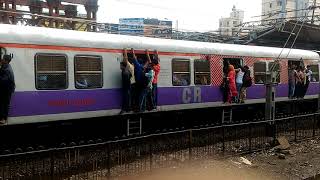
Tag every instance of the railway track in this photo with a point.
(138, 154)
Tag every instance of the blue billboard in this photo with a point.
(131, 26)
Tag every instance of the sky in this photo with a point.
(195, 15)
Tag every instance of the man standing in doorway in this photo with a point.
(308, 75)
(7, 87)
(155, 64)
(292, 81)
(126, 87)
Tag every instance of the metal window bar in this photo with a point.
(181, 72)
(89, 72)
(202, 72)
(51, 72)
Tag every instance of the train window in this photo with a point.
(259, 69)
(276, 67)
(88, 72)
(315, 73)
(180, 72)
(51, 71)
(201, 72)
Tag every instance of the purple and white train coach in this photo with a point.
(48, 63)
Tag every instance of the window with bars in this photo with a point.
(315, 73)
(180, 72)
(276, 68)
(88, 72)
(202, 72)
(51, 71)
(260, 69)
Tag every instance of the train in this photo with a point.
(48, 64)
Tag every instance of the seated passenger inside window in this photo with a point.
(259, 80)
(180, 80)
(81, 82)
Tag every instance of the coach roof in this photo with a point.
(71, 38)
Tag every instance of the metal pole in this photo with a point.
(150, 154)
(177, 29)
(250, 139)
(319, 96)
(52, 162)
(314, 125)
(108, 162)
(190, 144)
(223, 138)
(270, 96)
(295, 129)
(313, 9)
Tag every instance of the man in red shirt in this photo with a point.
(156, 69)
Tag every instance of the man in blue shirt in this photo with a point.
(7, 87)
(139, 73)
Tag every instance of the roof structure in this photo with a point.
(305, 37)
(49, 13)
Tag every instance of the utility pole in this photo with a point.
(313, 10)
(177, 28)
(271, 83)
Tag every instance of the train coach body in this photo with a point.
(40, 53)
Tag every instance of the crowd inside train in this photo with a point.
(299, 80)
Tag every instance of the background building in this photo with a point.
(278, 9)
(230, 26)
(289, 9)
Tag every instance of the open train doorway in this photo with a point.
(293, 67)
(236, 62)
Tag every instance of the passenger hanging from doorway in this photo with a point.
(224, 87)
(155, 63)
(292, 80)
(128, 86)
(239, 81)
(139, 73)
(298, 93)
(7, 87)
(308, 75)
(232, 85)
(246, 82)
(146, 94)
